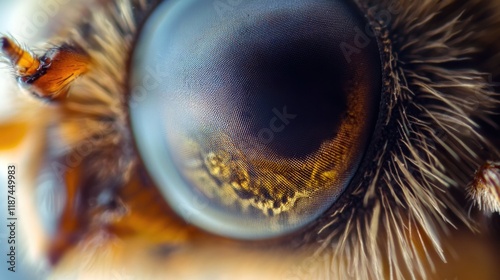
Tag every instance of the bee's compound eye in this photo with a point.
(253, 116)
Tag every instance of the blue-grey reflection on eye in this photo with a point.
(253, 121)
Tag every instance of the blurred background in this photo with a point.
(28, 21)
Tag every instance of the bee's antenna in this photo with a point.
(49, 76)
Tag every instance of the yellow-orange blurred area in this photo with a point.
(13, 134)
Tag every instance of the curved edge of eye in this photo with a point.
(373, 32)
(349, 48)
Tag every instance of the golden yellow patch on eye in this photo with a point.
(13, 133)
(224, 172)
(485, 189)
(50, 75)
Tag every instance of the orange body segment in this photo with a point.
(64, 65)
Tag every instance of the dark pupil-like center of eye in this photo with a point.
(291, 88)
(253, 119)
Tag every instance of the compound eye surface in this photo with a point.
(252, 117)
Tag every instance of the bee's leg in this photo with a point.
(133, 211)
(73, 223)
(50, 75)
(83, 215)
